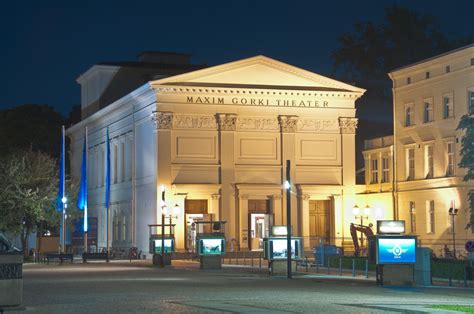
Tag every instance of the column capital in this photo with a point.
(348, 125)
(162, 120)
(276, 197)
(215, 197)
(243, 197)
(226, 121)
(288, 124)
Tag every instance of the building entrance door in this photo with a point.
(319, 222)
(195, 210)
(260, 223)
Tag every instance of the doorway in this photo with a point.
(195, 210)
(320, 222)
(260, 223)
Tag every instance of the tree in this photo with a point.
(467, 158)
(27, 191)
(31, 126)
(366, 55)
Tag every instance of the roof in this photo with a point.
(433, 58)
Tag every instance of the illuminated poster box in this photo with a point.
(211, 246)
(155, 246)
(396, 250)
(276, 248)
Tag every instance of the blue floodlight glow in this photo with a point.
(396, 250)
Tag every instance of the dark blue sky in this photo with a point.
(46, 44)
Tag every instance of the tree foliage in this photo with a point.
(371, 50)
(27, 191)
(466, 124)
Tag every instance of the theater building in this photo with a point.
(218, 139)
(415, 173)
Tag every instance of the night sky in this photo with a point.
(46, 45)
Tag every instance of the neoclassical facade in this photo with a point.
(218, 140)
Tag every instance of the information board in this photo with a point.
(396, 250)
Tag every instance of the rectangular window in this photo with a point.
(102, 167)
(428, 111)
(409, 115)
(410, 163)
(450, 159)
(448, 109)
(412, 217)
(115, 163)
(472, 61)
(374, 170)
(430, 216)
(427, 75)
(122, 162)
(470, 102)
(124, 229)
(408, 80)
(429, 165)
(448, 69)
(385, 169)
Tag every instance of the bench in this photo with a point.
(59, 256)
(94, 256)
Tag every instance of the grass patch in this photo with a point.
(453, 307)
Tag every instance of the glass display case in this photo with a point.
(275, 248)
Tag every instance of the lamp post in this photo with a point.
(288, 217)
(453, 212)
(163, 213)
(63, 227)
(358, 215)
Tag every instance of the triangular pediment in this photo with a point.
(257, 71)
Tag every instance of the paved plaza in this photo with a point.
(123, 287)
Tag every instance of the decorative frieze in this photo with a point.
(316, 125)
(288, 124)
(162, 120)
(227, 121)
(348, 125)
(204, 122)
(257, 124)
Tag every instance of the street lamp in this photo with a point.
(359, 215)
(453, 212)
(63, 227)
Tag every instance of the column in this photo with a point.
(348, 127)
(305, 226)
(244, 222)
(228, 212)
(288, 146)
(277, 210)
(214, 206)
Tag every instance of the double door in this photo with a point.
(320, 222)
(260, 223)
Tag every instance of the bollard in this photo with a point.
(306, 263)
(260, 260)
(317, 267)
(367, 268)
(251, 257)
(244, 259)
(329, 265)
(353, 268)
(340, 266)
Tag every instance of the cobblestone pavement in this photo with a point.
(123, 287)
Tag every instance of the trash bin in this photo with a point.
(11, 274)
(323, 252)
